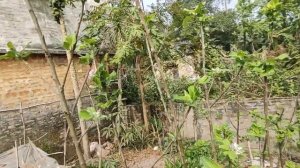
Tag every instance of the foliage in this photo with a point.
(58, 7)
(195, 153)
(228, 151)
(130, 88)
(290, 164)
(107, 163)
(13, 53)
(132, 136)
(249, 52)
(69, 42)
(191, 95)
(103, 82)
(223, 132)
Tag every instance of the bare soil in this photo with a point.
(143, 159)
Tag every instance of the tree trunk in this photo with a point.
(60, 90)
(267, 136)
(141, 87)
(119, 119)
(153, 52)
(74, 79)
(209, 118)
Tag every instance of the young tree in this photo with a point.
(59, 86)
(58, 12)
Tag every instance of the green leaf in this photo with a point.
(208, 163)
(291, 164)
(191, 12)
(189, 97)
(186, 98)
(105, 105)
(282, 56)
(239, 56)
(87, 58)
(204, 80)
(150, 18)
(85, 115)
(193, 92)
(88, 114)
(69, 42)
(11, 46)
(187, 22)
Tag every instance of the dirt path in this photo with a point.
(143, 159)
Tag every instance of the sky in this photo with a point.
(147, 3)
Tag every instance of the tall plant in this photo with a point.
(60, 90)
(70, 44)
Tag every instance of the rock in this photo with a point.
(101, 150)
(155, 148)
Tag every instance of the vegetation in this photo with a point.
(251, 51)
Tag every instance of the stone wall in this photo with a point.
(39, 120)
(226, 112)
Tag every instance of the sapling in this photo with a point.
(200, 14)
(257, 130)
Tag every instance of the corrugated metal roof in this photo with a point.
(16, 25)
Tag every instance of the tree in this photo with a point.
(60, 90)
(70, 45)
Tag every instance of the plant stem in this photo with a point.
(210, 117)
(99, 142)
(60, 90)
(74, 79)
(280, 148)
(153, 52)
(266, 112)
(142, 94)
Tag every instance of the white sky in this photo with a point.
(147, 3)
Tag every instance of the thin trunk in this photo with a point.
(66, 131)
(267, 136)
(238, 127)
(244, 39)
(250, 151)
(99, 142)
(156, 81)
(261, 154)
(60, 90)
(120, 103)
(281, 161)
(142, 94)
(23, 123)
(119, 117)
(153, 52)
(210, 117)
(74, 79)
(178, 140)
(195, 124)
(238, 115)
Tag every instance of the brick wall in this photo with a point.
(30, 83)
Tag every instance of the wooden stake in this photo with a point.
(24, 128)
(17, 155)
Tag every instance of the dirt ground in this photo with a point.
(143, 159)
